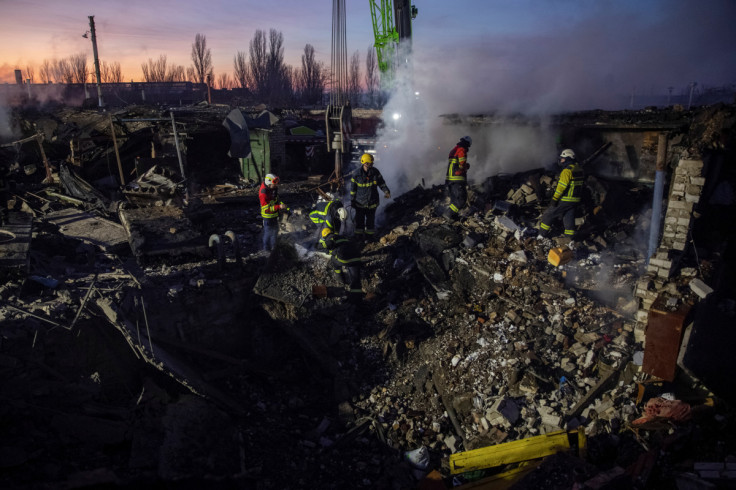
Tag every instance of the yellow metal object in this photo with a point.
(504, 480)
(559, 256)
(516, 451)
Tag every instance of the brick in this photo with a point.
(690, 166)
(700, 288)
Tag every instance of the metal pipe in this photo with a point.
(216, 239)
(236, 246)
(658, 195)
(178, 154)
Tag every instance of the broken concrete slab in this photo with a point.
(107, 235)
(162, 230)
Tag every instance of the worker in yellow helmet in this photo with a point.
(344, 254)
(364, 196)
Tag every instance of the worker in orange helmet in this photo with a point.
(271, 206)
(456, 181)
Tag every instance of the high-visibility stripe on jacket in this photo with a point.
(570, 185)
(457, 167)
(269, 199)
(342, 249)
(364, 187)
(326, 212)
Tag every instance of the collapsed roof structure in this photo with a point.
(146, 339)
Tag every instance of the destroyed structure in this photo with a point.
(147, 341)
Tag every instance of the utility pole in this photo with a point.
(690, 102)
(97, 59)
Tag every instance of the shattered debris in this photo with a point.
(147, 340)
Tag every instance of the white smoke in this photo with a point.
(419, 132)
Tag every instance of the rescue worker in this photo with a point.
(456, 181)
(330, 214)
(364, 196)
(344, 253)
(268, 195)
(567, 196)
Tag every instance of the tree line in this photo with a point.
(261, 71)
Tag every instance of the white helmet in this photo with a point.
(467, 139)
(568, 153)
(271, 179)
(342, 213)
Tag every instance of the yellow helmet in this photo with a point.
(326, 231)
(366, 158)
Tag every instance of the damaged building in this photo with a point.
(147, 340)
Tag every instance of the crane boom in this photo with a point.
(391, 25)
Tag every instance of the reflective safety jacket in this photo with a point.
(570, 185)
(457, 166)
(326, 212)
(364, 187)
(343, 249)
(269, 199)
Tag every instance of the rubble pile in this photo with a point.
(207, 362)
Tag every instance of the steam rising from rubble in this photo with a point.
(418, 134)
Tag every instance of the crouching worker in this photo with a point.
(330, 214)
(344, 253)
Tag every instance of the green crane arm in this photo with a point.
(385, 33)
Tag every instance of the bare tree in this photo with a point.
(62, 71)
(258, 63)
(176, 73)
(80, 71)
(155, 71)
(371, 76)
(354, 79)
(111, 72)
(29, 73)
(202, 59)
(241, 73)
(279, 75)
(224, 81)
(310, 80)
(45, 73)
(159, 71)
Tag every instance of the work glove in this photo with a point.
(387, 195)
(352, 203)
(554, 204)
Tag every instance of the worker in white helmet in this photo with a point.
(271, 206)
(567, 197)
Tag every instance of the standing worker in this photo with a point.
(567, 196)
(344, 253)
(456, 181)
(268, 195)
(364, 196)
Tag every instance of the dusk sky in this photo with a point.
(509, 45)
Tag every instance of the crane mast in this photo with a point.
(391, 26)
(338, 115)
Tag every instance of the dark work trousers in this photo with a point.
(458, 192)
(365, 222)
(564, 210)
(351, 279)
(270, 232)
